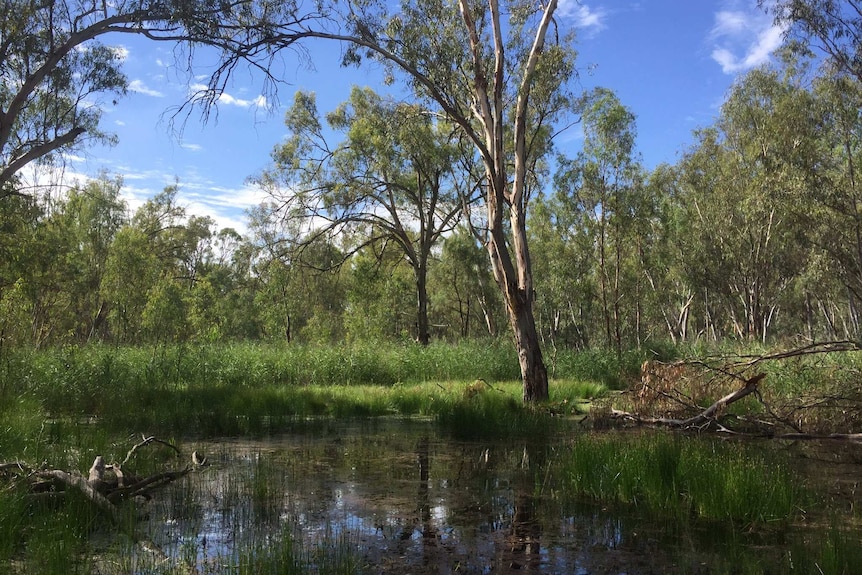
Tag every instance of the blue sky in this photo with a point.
(670, 61)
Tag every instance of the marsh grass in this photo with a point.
(255, 391)
(839, 553)
(677, 478)
(283, 554)
(48, 536)
(85, 379)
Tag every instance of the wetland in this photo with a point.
(399, 496)
(404, 468)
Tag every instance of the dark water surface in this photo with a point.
(401, 498)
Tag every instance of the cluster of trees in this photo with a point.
(80, 268)
(755, 233)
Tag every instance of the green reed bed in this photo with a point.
(85, 378)
(673, 476)
(231, 410)
(48, 536)
(733, 491)
(244, 388)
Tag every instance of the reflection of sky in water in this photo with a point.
(473, 514)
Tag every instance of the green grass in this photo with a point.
(671, 476)
(85, 374)
(255, 389)
(49, 536)
(226, 410)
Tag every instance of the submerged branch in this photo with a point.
(105, 486)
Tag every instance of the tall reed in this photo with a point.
(674, 477)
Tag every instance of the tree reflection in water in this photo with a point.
(406, 499)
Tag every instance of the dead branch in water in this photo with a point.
(105, 485)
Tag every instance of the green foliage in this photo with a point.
(676, 478)
(389, 187)
(240, 388)
(466, 302)
(380, 299)
(164, 317)
(483, 411)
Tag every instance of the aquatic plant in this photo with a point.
(669, 475)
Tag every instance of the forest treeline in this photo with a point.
(755, 234)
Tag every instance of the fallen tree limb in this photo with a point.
(105, 485)
(704, 417)
(676, 393)
(78, 482)
(144, 442)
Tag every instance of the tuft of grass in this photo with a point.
(672, 477)
(839, 553)
(284, 555)
(483, 411)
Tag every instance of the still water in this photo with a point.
(399, 497)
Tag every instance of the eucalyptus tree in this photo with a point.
(603, 184)
(742, 243)
(822, 160)
(19, 219)
(391, 179)
(500, 73)
(21, 262)
(663, 237)
(90, 216)
(834, 188)
(131, 271)
(833, 27)
(301, 291)
(380, 295)
(57, 74)
(153, 266)
(466, 303)
(566, 290)
(222, 305)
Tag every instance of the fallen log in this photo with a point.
(86, 487)
(105, 485)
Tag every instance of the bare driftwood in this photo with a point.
(704, 417)
(105, 484)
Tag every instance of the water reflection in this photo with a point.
(406, 500)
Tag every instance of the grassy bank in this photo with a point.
(244, 388)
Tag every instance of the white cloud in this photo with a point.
(229, 100)
(730, 22)
(226, 206)
(582, 15)
(139, 87)
(743, 39)
(201, 90)
(192, 147)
